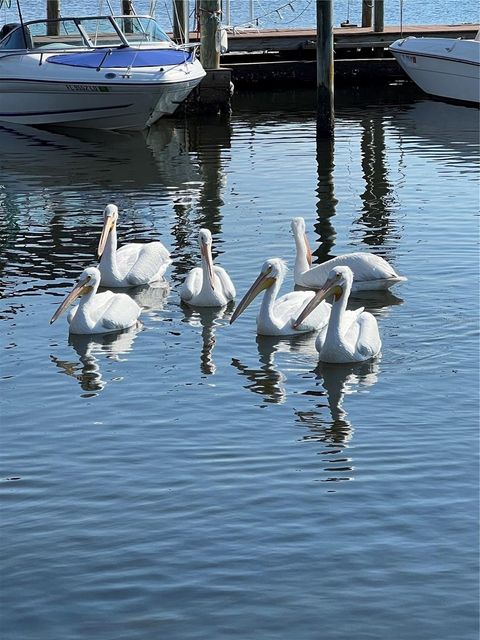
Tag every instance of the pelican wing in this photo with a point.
(289, 306)
(225, 282)
(368, 342)
(141, 263)
(121, 312)
(192, 284)
(366, 267)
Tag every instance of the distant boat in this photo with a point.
(101, 72)
(442, 67)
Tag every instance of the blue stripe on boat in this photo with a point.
(59, 112)
(123, 58)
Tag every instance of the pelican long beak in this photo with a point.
(330, 286)
(308, 250)
(262, 282)
(78, 290)
(108, 225)
(206, 251)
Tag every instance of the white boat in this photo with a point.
(442, 67)
(102, 72)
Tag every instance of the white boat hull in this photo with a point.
(442, 67)
(91, 105)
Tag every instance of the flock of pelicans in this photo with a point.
(343, 335)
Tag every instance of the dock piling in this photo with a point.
(367, 6)
(325, 86)
(180, 21)
(209, 22)
(53, 13)
(378, 13)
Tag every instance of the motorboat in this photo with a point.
(443, 67)
(102, 72)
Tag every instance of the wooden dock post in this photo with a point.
(209, 22)
(127, 11)
(181, 31)
(378, 12)
(367, 13)
(53, 13)
(325, 87)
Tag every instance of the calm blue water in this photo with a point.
(191, 481)
(279, 13)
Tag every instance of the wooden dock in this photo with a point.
(289, 57)
(267, 57)
(345, 38)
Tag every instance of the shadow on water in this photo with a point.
(94, 352)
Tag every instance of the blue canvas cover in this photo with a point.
(126, 57)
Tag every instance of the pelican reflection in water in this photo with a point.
(337, 381)
(91, 351)
(209, 319)
(267, 380)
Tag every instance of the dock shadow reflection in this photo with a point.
(267, 380)
(333, 383)
(91, 350)
(208, 318)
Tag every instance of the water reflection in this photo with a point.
(210, 138)
(378, 197)
(151, 297)
(377, 302)
(93, 351)
(333, 383)
(208, 319)
(65, 157)
(267, 380)
(54, 234)
(451, 127)
(326, 201)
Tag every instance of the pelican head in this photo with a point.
(110, 217)
(273, 270)
(298, 230)
(205, 242)
(87, 282)
(339, 279)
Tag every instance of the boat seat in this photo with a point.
(7, 28)
(11, 37)
(56, 45)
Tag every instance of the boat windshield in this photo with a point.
(89, 32)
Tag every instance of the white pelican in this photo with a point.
(276, 316)
(134, 263)
(350, 336)
(97, 312)
(208, 285)
(369, 271)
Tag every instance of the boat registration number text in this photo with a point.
(87, 87)
(412, 59)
